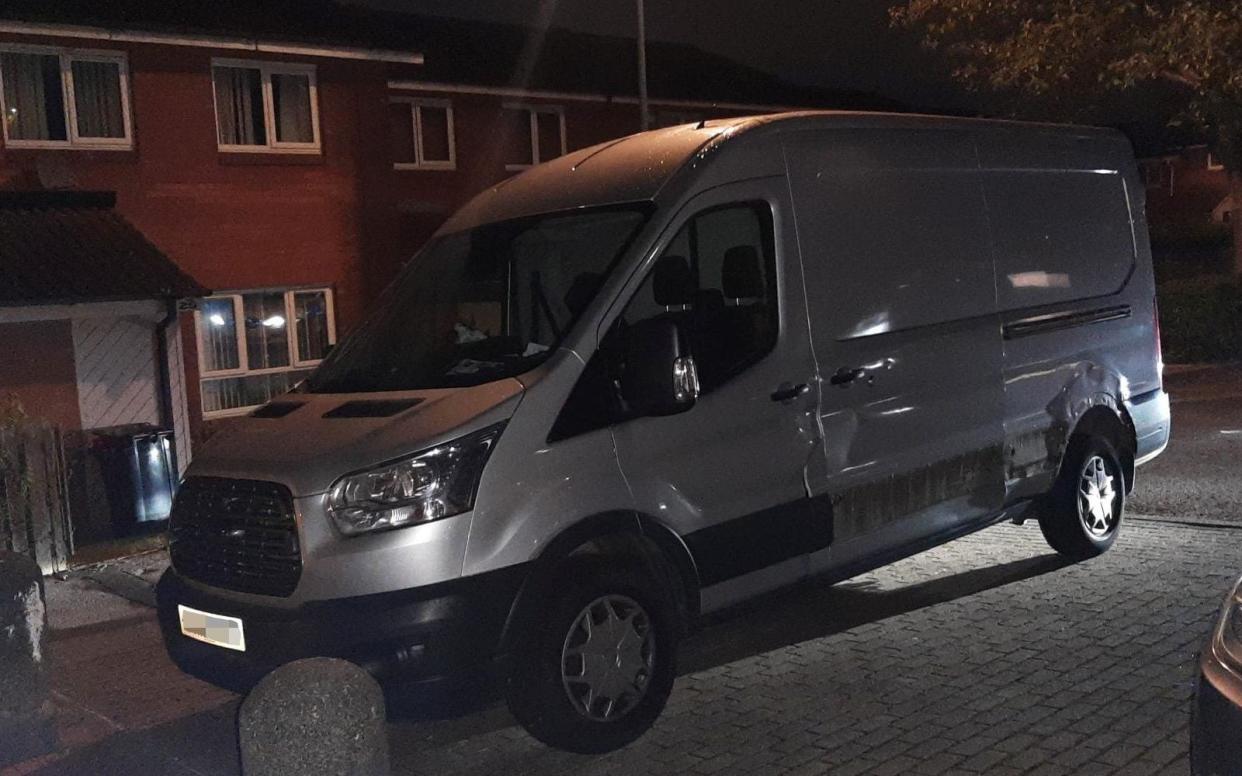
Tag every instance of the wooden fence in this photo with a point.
(34, 494)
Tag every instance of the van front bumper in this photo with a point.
(438, 634)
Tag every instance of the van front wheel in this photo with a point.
(1086, 504)
(596, 669)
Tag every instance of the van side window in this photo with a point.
(1059, 236)
(717, 281)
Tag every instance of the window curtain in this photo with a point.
(97, 99)
(219, 334)
(33, 97)
(239, 106)
(311, 310)
(267, 331)
(291, 99)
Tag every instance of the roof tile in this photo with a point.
(69, 247)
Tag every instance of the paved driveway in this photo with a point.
(988, 655)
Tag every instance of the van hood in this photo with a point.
(307, 441)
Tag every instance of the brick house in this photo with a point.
(290, 154)
(1187, 187)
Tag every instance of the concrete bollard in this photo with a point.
(320, 715)
(27, 716)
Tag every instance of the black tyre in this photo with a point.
(595, 668)
(1084, 510)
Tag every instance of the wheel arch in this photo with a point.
(1106, 418)
(620, 533)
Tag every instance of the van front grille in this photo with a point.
(236, 534)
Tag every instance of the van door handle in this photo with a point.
(846, 375)
(787, 391)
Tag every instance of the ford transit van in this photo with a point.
(660, 376)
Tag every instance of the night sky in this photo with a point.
(839, 44)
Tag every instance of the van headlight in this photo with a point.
(1229, 634)
(436, 483)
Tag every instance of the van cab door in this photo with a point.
(729, 475)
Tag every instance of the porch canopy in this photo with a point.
(71, 247)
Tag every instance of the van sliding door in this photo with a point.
(893, 232)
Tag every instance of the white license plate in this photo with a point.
(212, 628)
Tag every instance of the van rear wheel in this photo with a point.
(595, 671)
(1086, 505)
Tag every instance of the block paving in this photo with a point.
(989, 655)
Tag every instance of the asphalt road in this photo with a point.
(1199, 476)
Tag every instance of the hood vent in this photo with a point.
(276, 409)
(371, 408)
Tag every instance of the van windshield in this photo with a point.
(481, 305)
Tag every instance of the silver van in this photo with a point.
(660, 376)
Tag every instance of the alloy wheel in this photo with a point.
(1097, 497)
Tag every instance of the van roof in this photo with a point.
(636, 167)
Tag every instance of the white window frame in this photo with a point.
(243, 355)
(533, 112)
(266, 71)
(1213, 164)
(420, 162)
(67, 57)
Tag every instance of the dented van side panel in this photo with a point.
(1075, 293)
(901, 291)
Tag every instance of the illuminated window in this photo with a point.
(254, 345)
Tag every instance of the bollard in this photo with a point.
(320, 715)
(27, 716)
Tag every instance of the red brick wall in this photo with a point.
(1194, 193)
(343, 218)
(233, 221)
(36, 365)
(421, 200)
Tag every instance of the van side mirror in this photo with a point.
(659, 376)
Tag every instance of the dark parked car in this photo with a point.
(1216, 718)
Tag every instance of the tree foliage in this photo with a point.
(1063, 56)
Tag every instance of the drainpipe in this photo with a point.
(165, 369)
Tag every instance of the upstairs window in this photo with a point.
(64, 99)
(261, 106)
(255, 345)
(533, 134)
(422, 134)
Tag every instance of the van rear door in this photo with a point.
(893, 230)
